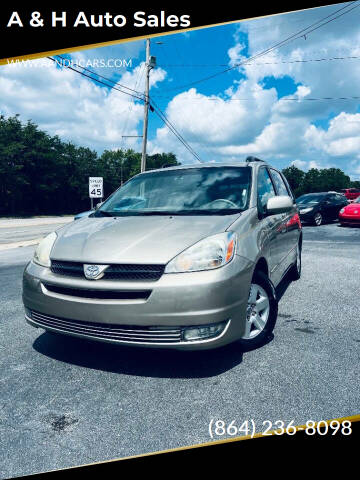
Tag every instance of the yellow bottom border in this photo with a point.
(352, 419)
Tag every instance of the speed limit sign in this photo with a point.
(96, 189)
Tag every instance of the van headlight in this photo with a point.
(211, 252)
(42, 251)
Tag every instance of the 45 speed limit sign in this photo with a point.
(96, 187)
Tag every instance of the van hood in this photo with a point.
(134, 239)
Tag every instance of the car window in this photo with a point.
(265, 189)
(195, 191)
(279, 183)
(333, 198)
(313, 199)
(340, 199)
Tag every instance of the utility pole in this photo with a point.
(146, 106)
(122, 161)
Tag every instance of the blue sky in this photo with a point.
(243, 112)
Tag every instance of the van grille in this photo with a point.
(100, 294)
(120, 333)
(113, 272)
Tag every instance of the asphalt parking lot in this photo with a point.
(66, 402)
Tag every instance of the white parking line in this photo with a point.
(27, 243)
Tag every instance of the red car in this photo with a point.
(351, 193)
(350, 215)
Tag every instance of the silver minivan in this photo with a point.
(186, 257)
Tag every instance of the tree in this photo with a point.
(41, 174)
(295, 177)
(316, 180)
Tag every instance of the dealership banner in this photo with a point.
(28, 31)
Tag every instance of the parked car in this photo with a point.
(83, 214)
(317, 208)
(350, 215)
(88, 212)
(351, 193)
(186, 257)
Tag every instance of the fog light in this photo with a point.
(27, 312)
(203, 332)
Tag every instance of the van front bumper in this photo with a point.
(187, 311)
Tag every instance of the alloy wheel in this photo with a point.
(318, 219)
(258, 310)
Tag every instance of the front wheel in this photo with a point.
(261, 313)
(318, 219)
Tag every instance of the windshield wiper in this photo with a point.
(187, 212)
(104, 213)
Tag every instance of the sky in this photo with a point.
(244, 111)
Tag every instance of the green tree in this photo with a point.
(41, 174)
(295, 177)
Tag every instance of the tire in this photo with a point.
(318, 219)
(295, 271)
(260, 323)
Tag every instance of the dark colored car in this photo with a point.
(83, 214)
(317, 208)
(88, 212)
(350, 215)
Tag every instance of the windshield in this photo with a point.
(309, 199)
(192, 191)
(357, 200)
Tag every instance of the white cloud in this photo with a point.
(64, 103)
(299, 164)
(235, 55)
(245, 118)
(340, 139)
(280, 129)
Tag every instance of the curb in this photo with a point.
(27, 243)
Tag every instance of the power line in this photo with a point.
(157, 110)
(100, 76)
(98, 81)
(138, 80)
(265, 63)
(291, 99)
(164, 118)
(301, 33)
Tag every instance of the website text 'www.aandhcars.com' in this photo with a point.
(66, 62)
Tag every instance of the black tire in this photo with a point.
(261, 279)
(295, 271)
(318, 219)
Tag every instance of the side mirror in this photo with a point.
(98, 205)
(280, 204)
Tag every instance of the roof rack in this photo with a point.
(253, 159)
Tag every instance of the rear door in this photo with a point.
(290, 223)
(270, 225)
(341, 202)
(334, 206)
(328, 207)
